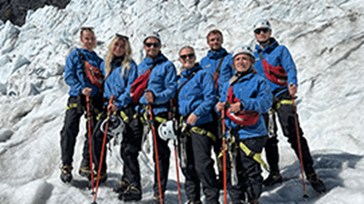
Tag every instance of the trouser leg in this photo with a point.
(192, 183)
(69, 131)
(163, 157)
(129, 151)
(201, 145)
(252, 177)
(286, 117)
(271, 147)
(98, 139)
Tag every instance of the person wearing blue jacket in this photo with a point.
(218, 63)
(196, 98)
(80, 87)
(161, 87)
(120, 72)
(244, 98)
(275, 63)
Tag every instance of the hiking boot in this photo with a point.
(85, 172)
(273, 179)
(103, 177)
(131, 194)
(238, 202)
(66, 173)
(123, 185)
(156, 200)
(194, 202)
(316, 183)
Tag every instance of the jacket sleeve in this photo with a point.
(226, 72)
(73, 63)
(289, 66)
(263, 101)
(129, 78)
(209, 95)
(170, 84)
(223, 92)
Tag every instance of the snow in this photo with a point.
(326, 40)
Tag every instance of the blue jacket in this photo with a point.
(197, 96)
(74, 74)
(276, 55)
(254, 94)
(119, 86)
(162, 82)
(212, 60)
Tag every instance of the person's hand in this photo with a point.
(191, 119)
(112, 107)
(235, 107)
(220, 106)
(292, 89)
(149, 96)
(87, 91)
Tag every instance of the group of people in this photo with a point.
(226, 97)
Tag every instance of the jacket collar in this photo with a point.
(273, 44)
(160, 58)
(216, 54)
(187, 72)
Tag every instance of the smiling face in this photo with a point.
(88, 40)
(242, 62)
(152, 47)
(119, 48)
(215, 41)
(187, 58)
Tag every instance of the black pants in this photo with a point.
(163, 158)
(129, 147)
(218, 143)
(286, 118)
(69, 132)
(129, 151)
(200, 167)
(250, 180)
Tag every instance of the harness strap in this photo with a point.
(201, 131)
(256, 156)
(71, 105)
(74, 105)
(197, 130)
(283, 102)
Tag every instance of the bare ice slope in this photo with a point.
(326, 40)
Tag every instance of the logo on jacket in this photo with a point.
(207, 66)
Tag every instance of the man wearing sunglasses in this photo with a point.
(218, 62)
(275, 63)
(161, 87)
(196, 97)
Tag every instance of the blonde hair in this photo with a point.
(127, 56)
(186, 47)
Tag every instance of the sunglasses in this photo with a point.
(265, 30)
(184, 57)
(156, 45)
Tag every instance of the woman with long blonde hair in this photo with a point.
(120, 72)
